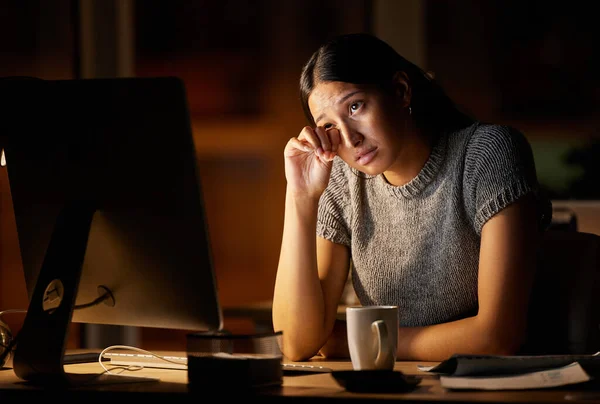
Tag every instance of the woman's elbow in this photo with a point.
(296, 351)
(501, 341)
(296, 345)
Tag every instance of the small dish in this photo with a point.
(375, 381)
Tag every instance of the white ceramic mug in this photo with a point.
(372, 336)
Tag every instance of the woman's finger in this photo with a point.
(294, 145)
(335, 138)
(308, 135)
(323, 138)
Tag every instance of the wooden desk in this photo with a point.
(313, 388)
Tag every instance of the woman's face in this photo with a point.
(372, 124)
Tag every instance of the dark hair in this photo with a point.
(364, 59)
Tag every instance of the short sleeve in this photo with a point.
(334, 206)
(499, 169)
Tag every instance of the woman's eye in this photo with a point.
(327, 126)
(355, 106)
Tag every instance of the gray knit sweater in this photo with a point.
(417, 245)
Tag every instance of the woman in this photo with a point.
(429, 209)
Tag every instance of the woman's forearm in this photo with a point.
(437, 342)
(467, 336)
(298, 306)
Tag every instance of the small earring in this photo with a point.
(409, 111)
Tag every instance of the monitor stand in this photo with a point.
(41, 342)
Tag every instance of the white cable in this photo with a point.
(132, 367)
(3, 312)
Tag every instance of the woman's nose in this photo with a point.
(351, 137)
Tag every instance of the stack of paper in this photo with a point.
(492, 372)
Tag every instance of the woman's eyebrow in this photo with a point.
(341, 100)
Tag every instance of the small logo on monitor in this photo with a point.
(53, 295)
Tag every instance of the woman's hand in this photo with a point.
(308, 160)
(337, 344)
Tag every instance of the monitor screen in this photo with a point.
(103, 177)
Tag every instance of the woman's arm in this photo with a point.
(309, 283)
(507, 263)
(509, 242)
(312, 271)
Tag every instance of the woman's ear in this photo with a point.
(402, 89)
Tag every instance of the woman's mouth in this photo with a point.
(366, 157)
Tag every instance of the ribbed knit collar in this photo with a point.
(427, 173)
(425, 176)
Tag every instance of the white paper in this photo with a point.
(570, 374)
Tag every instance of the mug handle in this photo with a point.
(383, 352)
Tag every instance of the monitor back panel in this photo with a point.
(126, 146)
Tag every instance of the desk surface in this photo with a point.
(314, 387)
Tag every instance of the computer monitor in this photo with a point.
(567, 173)
(109, 211)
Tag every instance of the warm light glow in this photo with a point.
(3, 159)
